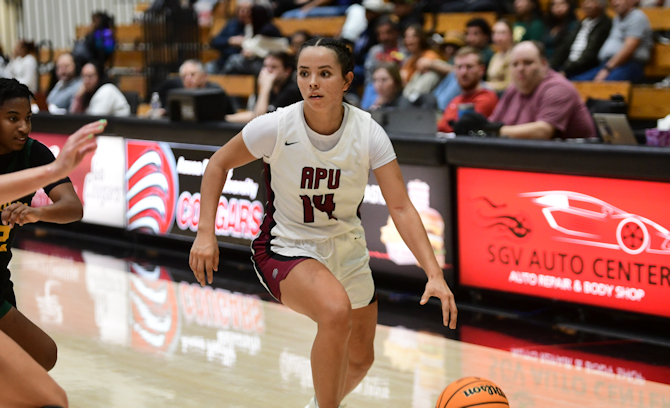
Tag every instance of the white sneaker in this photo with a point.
(313, 404)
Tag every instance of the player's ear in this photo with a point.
(348, 79)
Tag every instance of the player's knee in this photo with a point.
(361, 364)
(339, 318)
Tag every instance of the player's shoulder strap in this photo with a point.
(21, 161)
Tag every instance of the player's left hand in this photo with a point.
(19, 213)
(438, 287)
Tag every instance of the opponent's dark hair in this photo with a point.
(344, 56)
(481, 24)
(10, 88)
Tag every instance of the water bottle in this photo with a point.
(155, 105)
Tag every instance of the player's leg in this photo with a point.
(23, 382)
(311, 289)
(361, 346)
(31, 338)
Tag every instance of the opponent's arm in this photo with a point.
(66, 208)
(21, 183)
(409, 225)
(204, 257)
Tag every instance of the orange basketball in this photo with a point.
(472, 392)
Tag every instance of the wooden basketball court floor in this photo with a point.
(130, 336)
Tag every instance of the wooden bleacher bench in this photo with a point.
(326, 26)
(129, 34)
(236, 85)
(129, 59)
(142, 7)
(133, 83)
(648, 102)
(659, 17)
(208, 55)
(456, 21)
(603, 90)
(659, 64)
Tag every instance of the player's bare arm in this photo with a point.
(204, 257)
(409, 225)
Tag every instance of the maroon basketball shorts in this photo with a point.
(345, 255)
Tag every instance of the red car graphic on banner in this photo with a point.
(587, 220)
(152, 186)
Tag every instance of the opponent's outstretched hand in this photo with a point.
(438, 287)
(204, 258)
(78, 145)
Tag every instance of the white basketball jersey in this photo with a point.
(316, 195)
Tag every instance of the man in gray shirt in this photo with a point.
(627, 49)
(68, 84)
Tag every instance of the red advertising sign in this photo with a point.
(596, 241)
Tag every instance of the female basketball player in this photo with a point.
(26, 352)
(311, 253)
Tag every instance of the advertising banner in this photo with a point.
(163, 192)
(427, 188)
(98, 180)
(603, 242)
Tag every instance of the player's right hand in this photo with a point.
(78, 145)
(204, 258)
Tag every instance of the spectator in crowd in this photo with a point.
(561, 20)
(579, 52)
(192, 75)
(23, 65)
(311, 8)
(359, 26)
(627, 48)
(478, 35)
(69, 83)
(362, 32)
(276, 87)
(97, 96)
(528, 25)
(542, 104)
(388, 87)
(470, 69)
(3, 60)
(389, 49)
(417, 82)
(266, 39)
(408, 12)
(451, 42)
(498, 73)
(448, 88)
(229, 40)
(99, 43)
(296, 40)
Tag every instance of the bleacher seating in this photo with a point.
(455, 21)
(648, 102)
(645, 102)
(603, 90)
(242, 86)
(326, 26)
